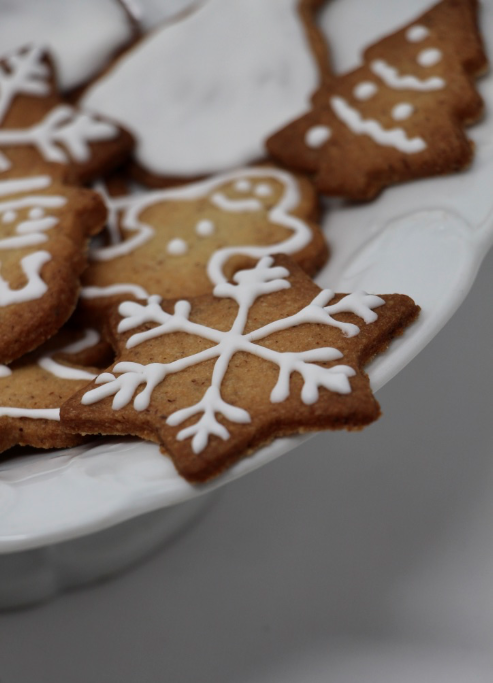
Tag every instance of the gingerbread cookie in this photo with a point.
(44, 233)
(39, 132)
(399, 116)
(82, 35)
(266, 355)
(181, 241)
(34, 387)
(201, 94)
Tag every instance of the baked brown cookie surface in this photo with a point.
(267, 354)
(399, 116)
(182, 241)
(40, 132)
(44, 232)
(33, 388)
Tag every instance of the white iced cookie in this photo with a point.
(150, 13)
(82, 35)
(203, 93)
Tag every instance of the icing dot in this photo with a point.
(429, 57)
(263, 190)
(9, 216)
(177, 247)
(5, 371)
(402, 111)
(417, 33)
(364, 90)
(36, 212)
(317, 135)
(243, 185)
(204, 228)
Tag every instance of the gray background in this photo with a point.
(357, 558)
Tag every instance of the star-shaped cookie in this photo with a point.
(267, 354)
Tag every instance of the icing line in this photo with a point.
(395, 137)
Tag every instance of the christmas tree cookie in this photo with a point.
(399, 116)
(213, 378)
(182, 241)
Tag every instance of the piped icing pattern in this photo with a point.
(64, 134)
(20, 204)
(62, 371)
(413, 93)
(246, 288)
(265, 194)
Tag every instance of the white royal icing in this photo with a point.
(29, 232)
(177, 247)
(129, 209)
(5, 371)
(429, 57)
(316, 136)
(394, 137)
(204, 228)
(402, 111)
(391, 77)
(246, 288)
(82, 35)
(33, 413)
(417, 33)
(202, 94)
(65, 133)
(364, 90)
(90, 338)
(114, 290)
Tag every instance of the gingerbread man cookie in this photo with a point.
(182, 241)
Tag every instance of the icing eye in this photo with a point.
(36, 212)
(263, 190)
(243, 185)
(177, 247)
(402, 111)
(429, 57)
(417, 33)
(316, 136)
(9, 216)
(204, 228)
(364, 90)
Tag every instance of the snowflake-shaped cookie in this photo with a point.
(399, 116)
(213, 378)
(39, 130)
